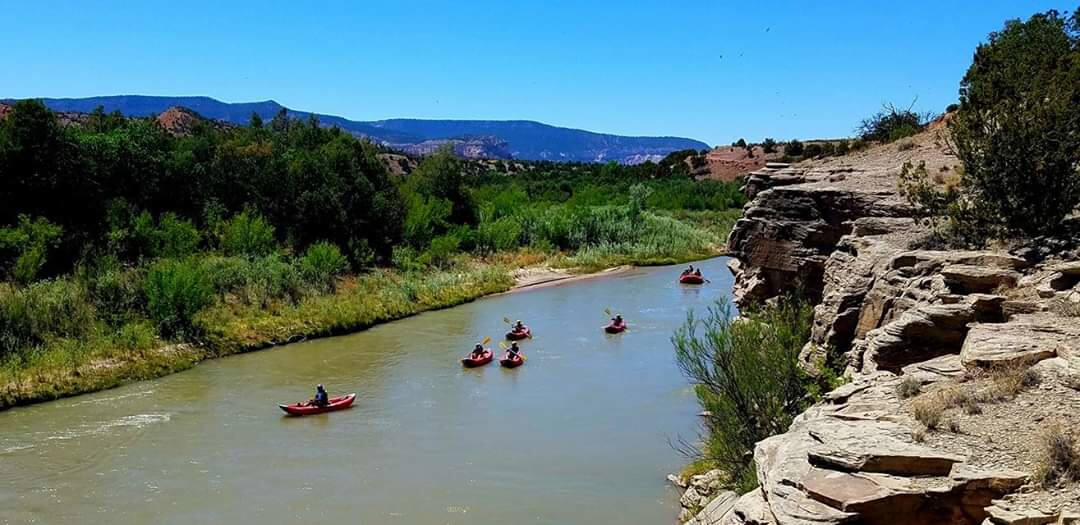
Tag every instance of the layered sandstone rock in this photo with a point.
(937, 318)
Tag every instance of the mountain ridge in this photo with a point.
(524, 139)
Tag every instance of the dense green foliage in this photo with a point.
(747, 378)
(1017, 132)
(1018, 127)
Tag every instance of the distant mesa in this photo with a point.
(494, 139)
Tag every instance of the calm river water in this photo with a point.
(580, 434)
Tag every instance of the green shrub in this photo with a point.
(768, 145)
(892, 124)
(176, 291)
(322, 263)
(793, 148)
(746, 376)
(1017, 131)
(501, 235)
(116, 292)
(254, 280)
(175, 237)
(247, 234)
(32, 315)
(25, 247)
(440, 250)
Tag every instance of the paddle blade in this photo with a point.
(607, 311)
(485, 341)
(507, 320)
(502, 344)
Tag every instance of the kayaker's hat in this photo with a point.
(320, 386)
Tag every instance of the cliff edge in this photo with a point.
(959, 362)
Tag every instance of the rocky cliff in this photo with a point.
(959, 362)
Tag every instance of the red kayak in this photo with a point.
(512, 362)
(517, 335)
(615, 328)
(691, 279)
(485, 358)
(304, 409)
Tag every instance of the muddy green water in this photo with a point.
(580, 434)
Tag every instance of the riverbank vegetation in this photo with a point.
(747, 377)
(129, 250)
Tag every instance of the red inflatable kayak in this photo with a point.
(691, 279)
(484, 359)
(303, 409)
(512, 362)
(615, 328)
(517, 335)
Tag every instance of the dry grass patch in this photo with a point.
(1059, 458)
(929, 410)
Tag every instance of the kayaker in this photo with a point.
(689, 270)
(514, 350)
(478, 351)
(617, 320)
(321, 399)
(518, 326)
(697, 272)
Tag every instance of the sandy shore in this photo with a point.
(542, 277)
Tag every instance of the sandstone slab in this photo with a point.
(1025, 339)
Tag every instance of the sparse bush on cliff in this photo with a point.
(747, 377)
(793, 148)
(892, 124)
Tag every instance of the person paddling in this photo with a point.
(519, 326)
(321, 398)
(689, 270)
(478, 351)
(617, 320)
(697, 272)
(513, 351)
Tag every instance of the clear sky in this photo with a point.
(710, 70)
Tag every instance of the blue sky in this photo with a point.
(712, 70)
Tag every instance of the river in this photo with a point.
(580, 434)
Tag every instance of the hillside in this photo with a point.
(519, 139)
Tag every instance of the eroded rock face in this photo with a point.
(789, 230)
(896, 315)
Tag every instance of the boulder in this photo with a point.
(1025, 339)
(936, 369)
(874, 446)
(966, 278)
